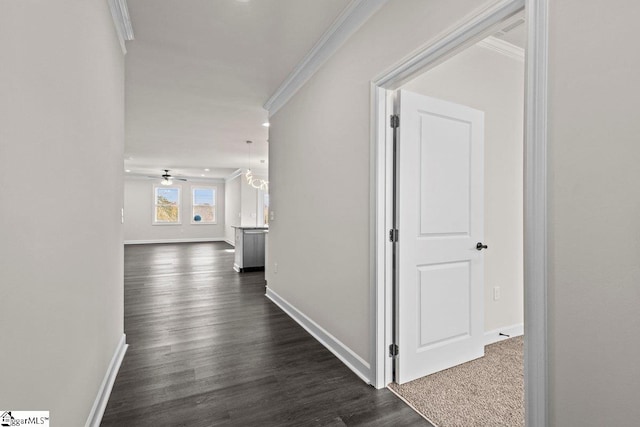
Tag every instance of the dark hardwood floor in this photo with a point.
(207, 348)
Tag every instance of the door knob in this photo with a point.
(480, 246)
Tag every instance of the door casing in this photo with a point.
(535, 190)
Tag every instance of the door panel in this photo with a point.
(440, 313)
(444, 179)
(443, 293)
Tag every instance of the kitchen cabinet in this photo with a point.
(250, 242)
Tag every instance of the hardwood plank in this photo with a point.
(207, 348)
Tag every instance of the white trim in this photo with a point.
(512, 331)
(535, 216)
(467, 34)
(181, 240)
(382, 186)
(229, 242)
(377, 218)
(121, 21)
(535, 188)
(354, 362)
(352, 17)
(100, 404)
(502, 47)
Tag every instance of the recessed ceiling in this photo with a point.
(198, 73)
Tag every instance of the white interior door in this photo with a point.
(440, 311)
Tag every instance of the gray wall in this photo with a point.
(494, 83)
(594, 213)
(61, 252)
(138, 213)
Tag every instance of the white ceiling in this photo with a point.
(198, 73)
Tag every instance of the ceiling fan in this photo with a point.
(167, 179)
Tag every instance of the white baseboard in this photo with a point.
(230, 242)
(100, 404)
(494, 336)
(354, 362)
(184, 240)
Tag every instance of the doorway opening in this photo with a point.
(468, 33)
(459, 264)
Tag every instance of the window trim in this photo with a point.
(154, 205)
(215, 203)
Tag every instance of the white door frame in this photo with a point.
(535, 190)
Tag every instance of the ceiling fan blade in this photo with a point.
(180, 179)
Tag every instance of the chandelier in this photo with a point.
(257, 183)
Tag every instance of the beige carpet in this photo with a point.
(487, 392)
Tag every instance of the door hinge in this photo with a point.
(393, 235)
(394, 121)
(393, 350)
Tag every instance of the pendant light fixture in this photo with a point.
(257, 183)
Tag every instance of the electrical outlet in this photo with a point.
(272, 215)
(496, 293)
(275, 267)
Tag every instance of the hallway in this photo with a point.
(206, 348)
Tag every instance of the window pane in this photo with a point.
(204, 206)
(167, 196)
(204, 196)
(204, 214)
(167, 213)
(167, 205)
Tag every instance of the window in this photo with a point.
(167, 205)
(204, 205)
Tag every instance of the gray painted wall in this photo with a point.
(594, 213)
(61, 252)
(138, 213)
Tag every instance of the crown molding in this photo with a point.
(503, 47)
(122, 21)
(351, 18)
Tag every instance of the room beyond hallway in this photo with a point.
(206, 348)
(488, 391)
